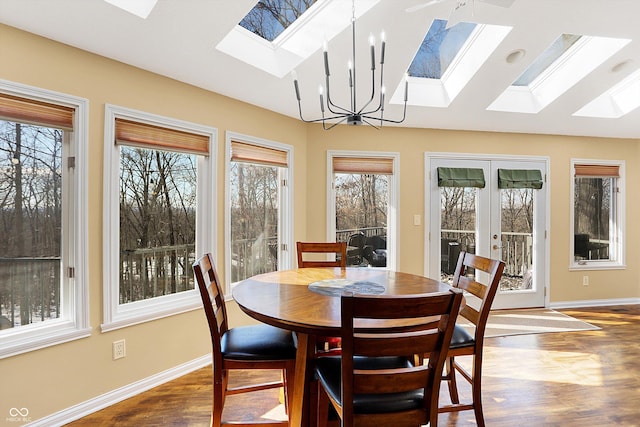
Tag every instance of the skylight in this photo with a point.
(447, 60)
(439, 48)
(289, 41)
(617, 101)
(548, 78)
(268, 18)
(558, 48)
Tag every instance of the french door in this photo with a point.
(495, 207)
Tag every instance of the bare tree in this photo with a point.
(269, 18)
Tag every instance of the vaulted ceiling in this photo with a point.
(188, 40)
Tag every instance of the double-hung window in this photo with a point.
(258, 216)
(597, 226)
(362, 204)
(159, 214)
(43, 215)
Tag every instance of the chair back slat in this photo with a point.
(212, 297)
(372, 382)
(465, 278)
(337, 248)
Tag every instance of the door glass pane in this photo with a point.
(31, 218)
(457, 226)
(254, 219)
(517, 238)
(362, 202)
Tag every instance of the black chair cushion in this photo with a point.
(258, 342)
(328, 372)
(461, 338)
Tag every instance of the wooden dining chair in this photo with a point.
(337, 248)
(464, 343)
(326, 345)
(246, 347)
(375, 382)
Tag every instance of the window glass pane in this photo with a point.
(269, 18)
(157, 222)
(548, 57)
(254, 219)
(438, 49)
(593, 215)
(362, 202)
(31, 221)
(457, 227)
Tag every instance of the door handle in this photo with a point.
(495, 247)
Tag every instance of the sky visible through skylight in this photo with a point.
(548, 57)
(438, 49)
(269, 18)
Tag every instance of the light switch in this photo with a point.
(416, 220)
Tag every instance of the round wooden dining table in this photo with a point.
(307, 301)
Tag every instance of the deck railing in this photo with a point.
(516, 252)
(151, 272)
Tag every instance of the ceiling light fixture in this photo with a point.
(353, 115)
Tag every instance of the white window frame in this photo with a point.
(285, 217)
(393, 248)
(73, 322)
(116, 315)
(618, 229)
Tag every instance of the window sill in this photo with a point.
(37, 336)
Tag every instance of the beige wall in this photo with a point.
(53, 379)
(565, 286)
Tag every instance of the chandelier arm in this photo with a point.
(335, 108)
(404, 114)
(324, 125)
(373, 93)
(380, 105)
(371, 124)
(322, 119)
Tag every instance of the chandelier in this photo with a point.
(353, 115)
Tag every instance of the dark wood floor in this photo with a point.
(584, 379)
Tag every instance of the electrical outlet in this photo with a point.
(585, 280)
(119, 349)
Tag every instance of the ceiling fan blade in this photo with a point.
(422, 6)
(500, 3)
(462, 11)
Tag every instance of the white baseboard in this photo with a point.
(100, 402)
(594, 303)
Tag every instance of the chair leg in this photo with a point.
(288, 380)
(219, 389)
(322, 405)
(476, 390)
(451, 380)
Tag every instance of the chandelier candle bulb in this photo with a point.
(382, 48)
(372, 43)
(406, 88)
(295, 84)
(350, 66)
(321, 100)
